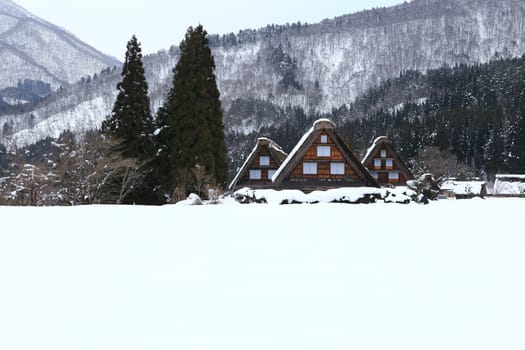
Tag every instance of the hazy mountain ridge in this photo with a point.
(32, 48)
(317, 67)
(350, 54)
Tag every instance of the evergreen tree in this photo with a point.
(493, 147)
(130, 126)
(191, 129)
(131, 122)
(516, 141)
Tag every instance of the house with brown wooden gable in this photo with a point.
(385, 165)
(260, 166)
(322, 160)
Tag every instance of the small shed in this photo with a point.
(385, 164)
(463, 189)
(509, 185)
(260, 166)
(322, 160)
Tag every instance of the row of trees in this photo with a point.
(136, 157)
(186, 139)
(67, 171)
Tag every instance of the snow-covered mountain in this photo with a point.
(32, 48)
(314, 66)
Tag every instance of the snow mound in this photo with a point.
(193, 199)
(363, 195)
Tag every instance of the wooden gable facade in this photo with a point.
(385, 165)
(322, 160)
(260, 166)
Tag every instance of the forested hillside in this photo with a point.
(476, 113)
(316, 67)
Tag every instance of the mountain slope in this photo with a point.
(477, 113)
(316, 67)
(347, 55)
(31, 48)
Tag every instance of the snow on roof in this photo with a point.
(510, 176)
(324, 123)
(264, 139)
(374, 144)
(463, 187)
(272, 145)
(509, 185)
(260, 141)
(294, 151)
(244, 165)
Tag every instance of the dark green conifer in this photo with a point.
(131, 122)
(131, 126)
(191, 129)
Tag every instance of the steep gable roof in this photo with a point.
(306, 142)
(370, 151)
(276, 152)
(382, 142)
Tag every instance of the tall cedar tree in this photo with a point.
(190, 122)
(131, 123)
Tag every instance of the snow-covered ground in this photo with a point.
(448, 275)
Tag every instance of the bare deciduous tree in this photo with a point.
(28, 185)
(440, 163)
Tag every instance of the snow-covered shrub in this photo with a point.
(425, 187)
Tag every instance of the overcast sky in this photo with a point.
(108, 24)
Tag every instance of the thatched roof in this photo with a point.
(277, 153)
(382, 142)
(299, 151)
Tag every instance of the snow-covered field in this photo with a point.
(449, 275)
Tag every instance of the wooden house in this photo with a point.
(322, 160)
(260, 166)
(385, 165)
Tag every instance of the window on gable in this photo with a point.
(337, 168)
(323, 151)
(383, 153)
(374, 174)
(324, 138)
(393, 175)
(255, 174)
(264, 160)
(389, 163)
(271, 173)
(377, 163)
(309, 168)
